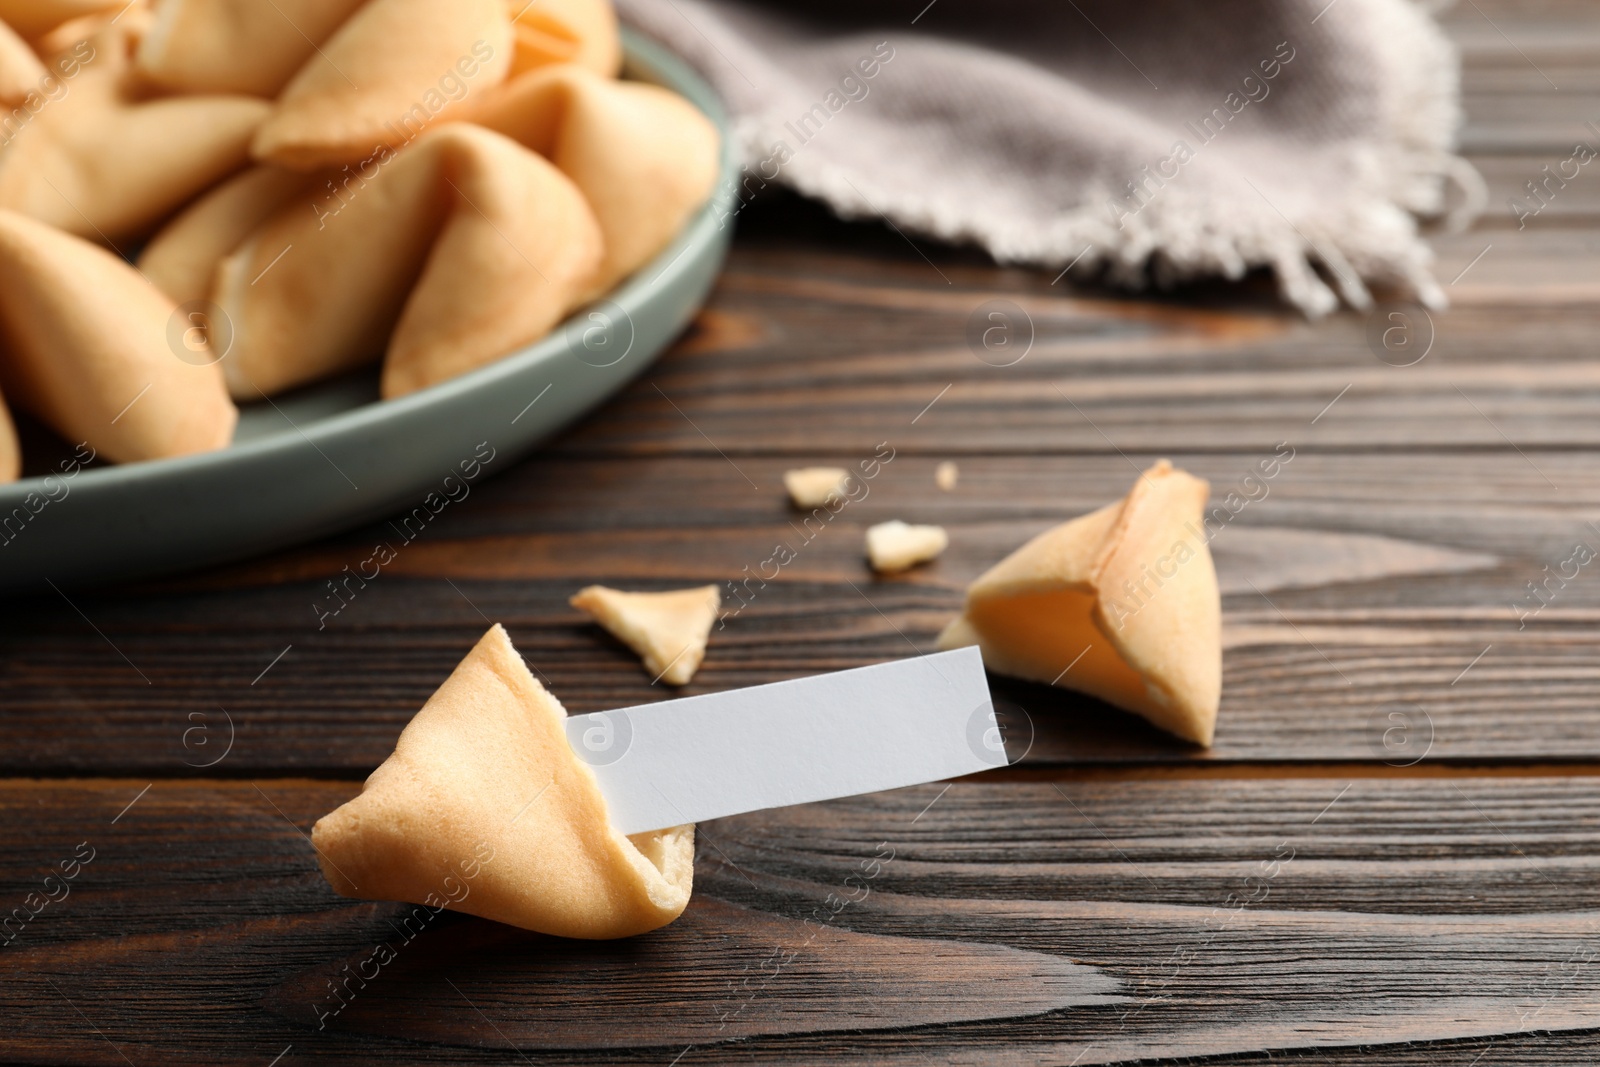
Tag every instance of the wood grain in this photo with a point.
(1360, 589)
(1102, 920)
(1388, 857)
(1185, 381)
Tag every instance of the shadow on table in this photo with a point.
(1042, 724)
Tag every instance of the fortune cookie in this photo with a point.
(85, 344)
(565, 31)
(21, 72)
(31, 18)
(181, 259)
(1126, 597)
(484, 783)
(394, 68)
(100, 163)
(668, 630)
(10, 450)
(644, 157)
(236, 46)
(463, 246)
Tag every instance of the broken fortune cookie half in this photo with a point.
(483, 780)
(1121, 603)
(668, 630)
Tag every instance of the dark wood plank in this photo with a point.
(1527, 74)
(1565, 202)
(1104, 375)
(1388, 857)
(1110, 921)
(1547, 270)
(1360, 588)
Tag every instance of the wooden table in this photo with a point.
(1389, 856)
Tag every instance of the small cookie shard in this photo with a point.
(107, 165)
(182, 258)
(84, 345)
(484, 780)
(644, 157)
(668, 630)
(393, 69)
(457, 250)
(896, 546)
(1130, 589)
(236, 46)
(945, 475)
(812, 487)
(565, 31)
(21, 72)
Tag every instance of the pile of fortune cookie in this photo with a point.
(432, 184)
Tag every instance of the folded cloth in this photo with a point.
(1151, 142)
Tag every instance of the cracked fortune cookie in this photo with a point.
(457, 250)
(236, 46)
(182, 257)
(393, 69)
(644, 157)
(103, 162)
(485, 770)
(86, 345)
(1121, 603)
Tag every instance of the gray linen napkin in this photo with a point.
(1148, 142)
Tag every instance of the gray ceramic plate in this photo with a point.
(333, 456)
